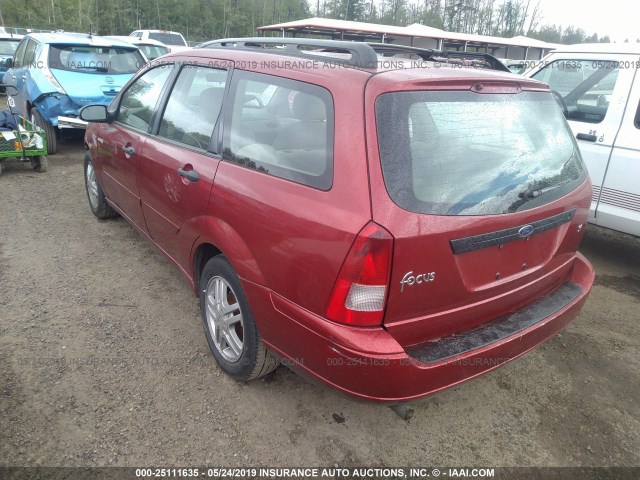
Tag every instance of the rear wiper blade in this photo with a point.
(97, 69)
(531, 193)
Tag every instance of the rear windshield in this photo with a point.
(168, 38)
(8, 47)
(90, 59)
(463, 153)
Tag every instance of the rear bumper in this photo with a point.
(368, 362)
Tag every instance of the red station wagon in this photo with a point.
(392, 221)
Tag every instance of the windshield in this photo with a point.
(168, 38)
(585, 86)
(8, 47)
(463, 153)
(153, 51)
(91, 59)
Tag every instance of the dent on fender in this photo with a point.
(52, 105)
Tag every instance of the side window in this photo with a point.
(139, 101)
(281, 127)
(30, 53)
(194, 106)
(19, 55)
(586, 86)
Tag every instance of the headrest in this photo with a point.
(212, 95)
(309, 108)
(81, 59)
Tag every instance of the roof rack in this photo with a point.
(482, 60)
(361, 54)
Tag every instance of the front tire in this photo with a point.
(229, 327)
(50, 132)
(39, 163)
(97, 202)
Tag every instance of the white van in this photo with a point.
(598, 87)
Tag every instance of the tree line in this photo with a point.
(201, 20)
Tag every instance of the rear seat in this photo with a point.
(302, 145)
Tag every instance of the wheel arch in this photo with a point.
(201, 255)
(220, 238)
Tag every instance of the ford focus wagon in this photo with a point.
(390, 221)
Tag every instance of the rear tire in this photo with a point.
(50, 132)
(97, 202)
(40, 163)
(229, 327)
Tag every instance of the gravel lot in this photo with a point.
(103, 361)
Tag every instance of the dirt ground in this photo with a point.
(103, 361)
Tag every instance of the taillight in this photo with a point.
(360, 292)
(54, 81)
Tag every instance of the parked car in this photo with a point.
(174, 40)
(56, 74)
(8, 46)
(364, 222)
(598, 89)
(151, 49)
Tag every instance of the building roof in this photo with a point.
(601, 48)
(328, 26)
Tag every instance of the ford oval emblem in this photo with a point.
(109, 80)
(526, 231)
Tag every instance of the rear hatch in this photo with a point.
(93, 74)
(484, 191)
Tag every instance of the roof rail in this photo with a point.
(361, 54)
(481, 60)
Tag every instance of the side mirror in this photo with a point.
(94, 113)
(603, 101)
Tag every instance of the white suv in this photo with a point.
(598, 87)
(174, 40)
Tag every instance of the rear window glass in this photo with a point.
(193, 106)
(463, 153)
(167, 38)
(90, 59)
(8, 47)
(283, 128)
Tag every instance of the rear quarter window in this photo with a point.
(463, 153)
(281, 127)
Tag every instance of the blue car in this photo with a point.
(8, 46)
(56, 74)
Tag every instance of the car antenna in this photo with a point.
(90, 28)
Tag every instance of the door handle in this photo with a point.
(128, 150)
(190, 175)
(24, 77)
(586, 136)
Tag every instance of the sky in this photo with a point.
(619, 19)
